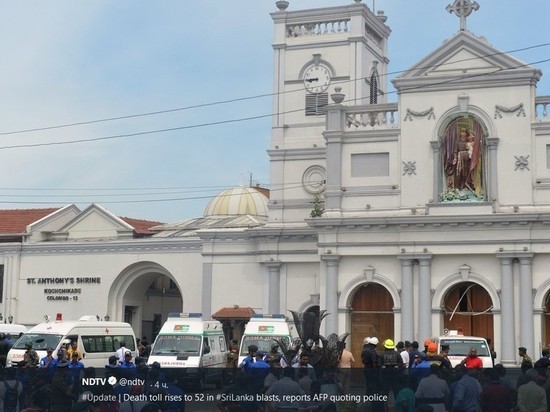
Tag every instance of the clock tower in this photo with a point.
(316, 52)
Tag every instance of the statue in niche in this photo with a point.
(462, 161)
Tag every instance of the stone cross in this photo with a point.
(463, 8)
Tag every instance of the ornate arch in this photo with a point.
(313, 301)
(487, 181)
(464, 276)
(458, 111)
(540, 295)
(344, 300)
(124, 280)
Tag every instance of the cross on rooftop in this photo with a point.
(463, 8)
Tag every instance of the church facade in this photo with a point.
(399, 219)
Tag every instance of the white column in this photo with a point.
(492, 190)
(407, 301)
(425, 298)
(334, 134)
(274, 282)
(332, 263)
(526, 326)
(206, 303)
(437, 173)
(507, 339)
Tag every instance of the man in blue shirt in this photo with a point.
(127, 362)
(249, 360)
(258, 372)
(48, 361)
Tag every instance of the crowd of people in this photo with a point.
(54, 383)
(400, 377)
(426, 380)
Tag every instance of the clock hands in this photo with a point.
(314, 79)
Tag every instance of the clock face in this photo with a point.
(317, 79)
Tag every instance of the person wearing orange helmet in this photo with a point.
(427, 342)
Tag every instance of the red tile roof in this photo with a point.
(17, 220)
(141, 227)
(234, 312)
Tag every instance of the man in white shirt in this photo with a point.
(121, 352)
(400, 347)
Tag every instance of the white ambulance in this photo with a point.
(96, 339)
(195, 348)
(264, 331)
(459, 347)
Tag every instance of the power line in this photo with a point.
(243, 119)
(286, 187)
(239, 99)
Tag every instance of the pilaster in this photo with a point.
(274, 282)
(508, 351)
(407, 300)
(425, 297)
(332, 263)
(206, 301)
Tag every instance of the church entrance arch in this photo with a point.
(546, 321)
(143, 294)
(468, 307)
(371, 315)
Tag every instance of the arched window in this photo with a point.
(468, 307)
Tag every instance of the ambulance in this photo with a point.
(96, 339)
(264, 331)
(194, 348)
(459, 347)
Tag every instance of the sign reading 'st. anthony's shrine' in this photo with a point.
(63, 288)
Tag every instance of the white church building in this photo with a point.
(399, 219)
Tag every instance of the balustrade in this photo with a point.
(374, 116)
(542, 108)
(318, 28)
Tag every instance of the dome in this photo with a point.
(238, 201)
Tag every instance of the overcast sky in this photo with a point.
(66, 62)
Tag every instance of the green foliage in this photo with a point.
(317, 209)
(456, 195)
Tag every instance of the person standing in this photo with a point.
(391, 367)
(73, 349)
(10, 390)
(401, 348)
(304, 364)
(404, 398)
(30, 358)
(495, 396)
(531, 397)
(121, 352)
(257, 372)
(433, 391)
(48, 361)
(370, 365)
(4, 349)
(414, 353)
(249, 359)
(472, 361)
(345, 367)
(127, 363)
(466, 391)
(62, 388)
(526, 361)
(285, 386)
